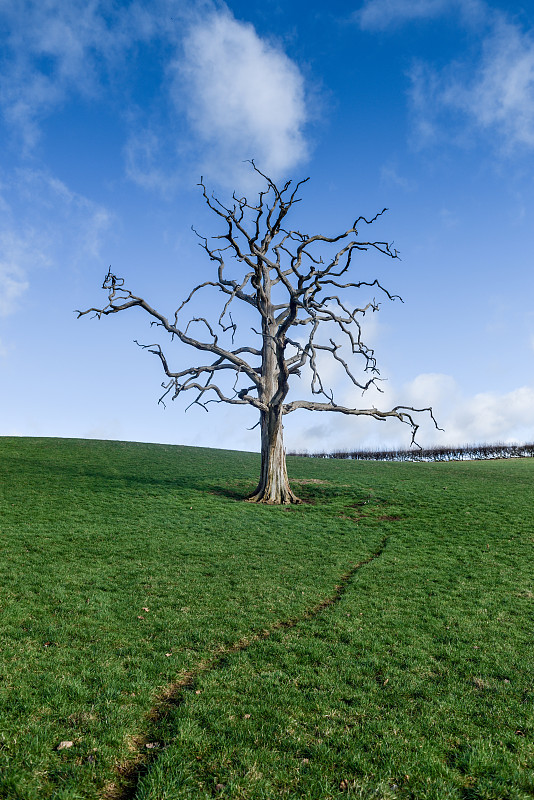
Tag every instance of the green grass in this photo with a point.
(418, 683)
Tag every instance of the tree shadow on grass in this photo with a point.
(100, 476)
(36, 471)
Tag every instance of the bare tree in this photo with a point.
(292, 283)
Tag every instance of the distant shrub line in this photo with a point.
(438, 453)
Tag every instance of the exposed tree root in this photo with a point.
(279, 499)
(131, 771)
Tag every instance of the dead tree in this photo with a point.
(292, 283)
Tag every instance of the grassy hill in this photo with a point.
(160, 639)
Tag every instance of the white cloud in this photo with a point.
(424, 95)
(243, 96)
(12, 285)
(54, 49)
(17, 254)
(494, 93)
(44, 225)
(383, 14)
(501, 94)
(66, 219)
(230, 95)
(147, 163)
(390, 176)
(485, 417)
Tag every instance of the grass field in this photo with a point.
(374, 642)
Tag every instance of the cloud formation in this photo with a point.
(500, 95)
(466, 419)
(147, 163)
(56, 49)
(44, 224)
(13, 281)
(226, 94)
(383, 14)
(489, 88)
(492, 93)
(244, 97)
(483, 417)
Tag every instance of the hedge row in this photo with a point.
(438, 453)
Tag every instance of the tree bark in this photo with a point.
(273, 487)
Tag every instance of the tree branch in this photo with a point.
(402, 413)
(120, 299)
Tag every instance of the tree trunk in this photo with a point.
(273, 487)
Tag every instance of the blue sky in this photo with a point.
(109, 114)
